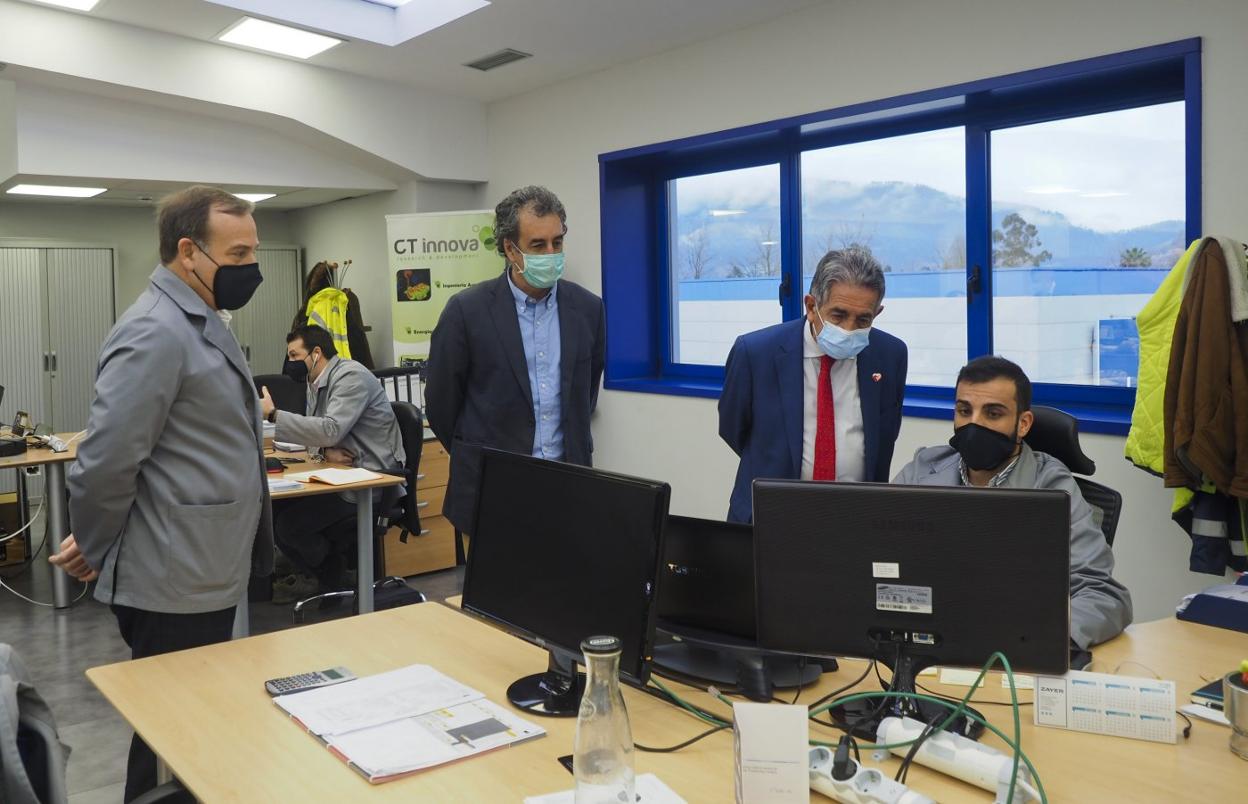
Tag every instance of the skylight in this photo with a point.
(385, 22)
(274, 38)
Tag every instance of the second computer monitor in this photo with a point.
(947, 575)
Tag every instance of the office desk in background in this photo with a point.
(205, 713)
(54, 499)
(363, 524)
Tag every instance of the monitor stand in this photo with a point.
(862, 718)
(695, 656)
(555, 693)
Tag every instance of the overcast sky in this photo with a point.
(1107, 172)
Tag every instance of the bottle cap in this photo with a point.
(600, 644)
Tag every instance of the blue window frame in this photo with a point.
(637, 222)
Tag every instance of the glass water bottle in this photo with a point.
(603, 751)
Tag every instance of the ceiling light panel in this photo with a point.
(76, 5)
(271, 37)
(55, 190)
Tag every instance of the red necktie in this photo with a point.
(825, 424)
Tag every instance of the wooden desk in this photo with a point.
(54, 499)
(206, 714)
(363, 523)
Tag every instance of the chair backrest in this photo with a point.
(1106, 506)
(1056, 433)
(412, 431)
(287, 394)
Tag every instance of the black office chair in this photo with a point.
(1056, 433)
(287, 394)
(394, 509)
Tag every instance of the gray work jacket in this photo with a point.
(1100, 607)
(347, 408)
(168, 496)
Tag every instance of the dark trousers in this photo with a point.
(151, 633)
(313, 531)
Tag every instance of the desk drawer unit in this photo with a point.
(434, 548)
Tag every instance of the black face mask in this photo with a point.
(234, 285)
(981, 447)
(297, 370)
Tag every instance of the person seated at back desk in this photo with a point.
(992, 414)
(349, 420)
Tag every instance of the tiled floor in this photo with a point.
(58, 647)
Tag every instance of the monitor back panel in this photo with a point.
(972, 570)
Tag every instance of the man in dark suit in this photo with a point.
(515, 362)
(818, 398)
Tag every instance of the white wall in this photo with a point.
(355, 229)
(132, 230)
(432, 135)
(827, 56)
(64, 133)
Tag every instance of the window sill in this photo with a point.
(1092, 418)
(671, 386)
(1103, 419)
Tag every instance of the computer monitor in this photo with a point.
(560, 553)
(705, 628)
(913, 576)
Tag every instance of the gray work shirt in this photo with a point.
(1100, 607)
(347, 408)
(168, 494)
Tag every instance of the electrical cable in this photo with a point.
(961, 709)
(85, 586)
(801, 672)
(672, 748)
(975, 701)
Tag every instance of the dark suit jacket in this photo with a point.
(478, 388)
(760, 409)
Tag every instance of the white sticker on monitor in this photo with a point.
(885, 569)
(909, 599)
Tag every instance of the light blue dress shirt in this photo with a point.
(539, 331)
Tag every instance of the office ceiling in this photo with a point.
(566, 37)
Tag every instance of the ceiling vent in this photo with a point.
(504, 56)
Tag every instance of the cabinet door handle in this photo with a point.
(420, 476)
(247, 349)
(422, 503)
(54, 361)
(424, 532)
(47, 362)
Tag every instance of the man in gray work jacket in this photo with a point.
(992, 413)
(349, 420)
(168, 500)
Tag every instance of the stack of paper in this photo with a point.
(283, 484)
(332, 476)
(405, 720)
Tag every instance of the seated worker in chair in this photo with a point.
(992, 413)
(349, 420)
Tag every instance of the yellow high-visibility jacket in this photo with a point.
(328, 310)
(1146, 439)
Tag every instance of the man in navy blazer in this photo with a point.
(515, 362)
(818, 398)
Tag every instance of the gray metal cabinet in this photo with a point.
(261, 326)
(56, 309)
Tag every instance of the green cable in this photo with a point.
(956, 709)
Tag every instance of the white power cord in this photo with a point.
(85, 586)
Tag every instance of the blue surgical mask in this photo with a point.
(542, 270)
(840, 344)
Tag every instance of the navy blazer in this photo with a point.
(478, 390)
(760, 409)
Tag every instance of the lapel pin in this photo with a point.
(876, 376)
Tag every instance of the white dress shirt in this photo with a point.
(850, 442)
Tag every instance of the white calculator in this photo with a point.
(308, 681)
